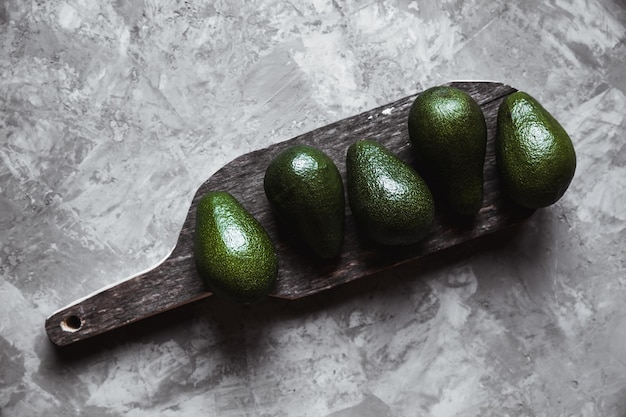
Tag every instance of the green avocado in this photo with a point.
(389, 200)
(234, 255)
(448, 133)
(534, 154)
(304, 188)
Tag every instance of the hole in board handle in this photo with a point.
(71, 324)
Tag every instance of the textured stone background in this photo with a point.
(113, 112)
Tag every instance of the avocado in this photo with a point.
(390, 202)
(534, 154)
(233, 253)
(448, 133)
(304, 188)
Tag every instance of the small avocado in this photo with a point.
(448, 133)
(304, 187)
(534, 154)
(234, 255)
(389, 200)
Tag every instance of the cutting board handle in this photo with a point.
(162, 288)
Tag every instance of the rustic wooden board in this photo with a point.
(175, 282)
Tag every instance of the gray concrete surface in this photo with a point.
(113, 112)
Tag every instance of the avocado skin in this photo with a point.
(390, 202)
(448, 133)
(305, 189)
(534, 154)
(234, 255)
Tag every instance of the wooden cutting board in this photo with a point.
(175, 282)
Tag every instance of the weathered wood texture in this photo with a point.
(175, 281)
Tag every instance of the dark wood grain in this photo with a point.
(175, 281)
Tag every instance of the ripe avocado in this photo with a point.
(535, 156)
(390, 201)
(233, 253)
(448, 133)
(304, 187)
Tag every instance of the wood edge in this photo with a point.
(400, 262)
(507, 89)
